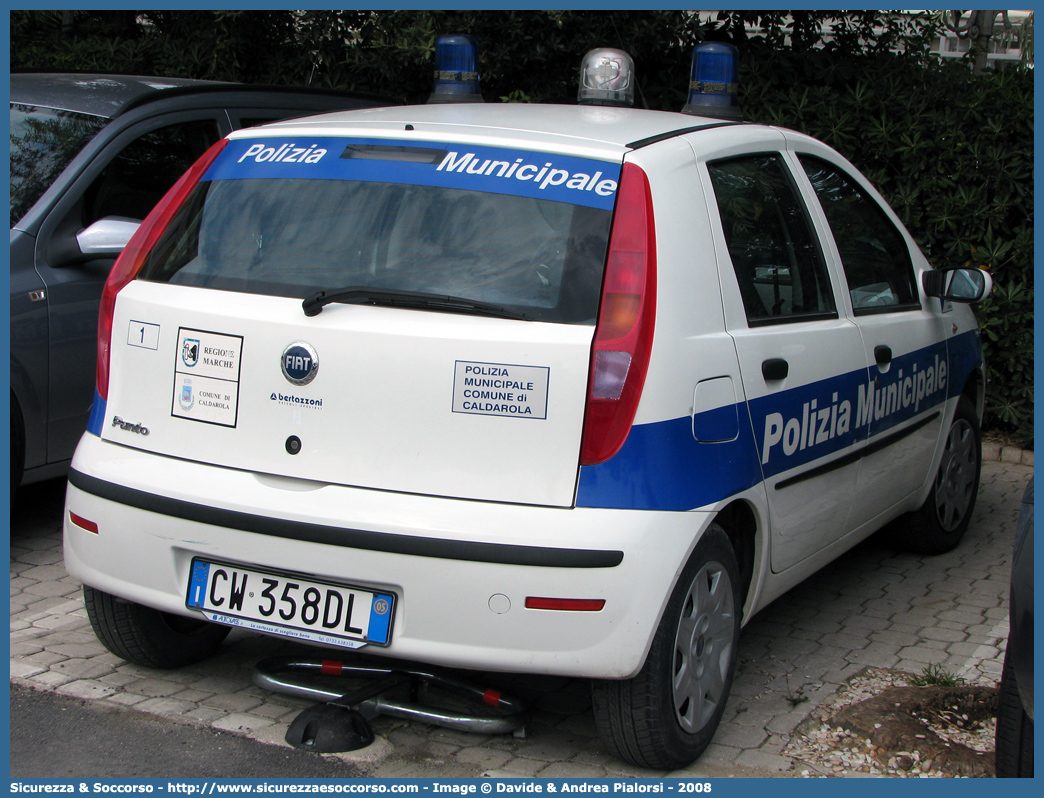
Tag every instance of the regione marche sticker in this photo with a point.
(500, 389)
(206, 377)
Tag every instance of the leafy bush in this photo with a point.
(953, 155)
(952, 152)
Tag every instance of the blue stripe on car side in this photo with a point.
(965, 355)
(806, 423)
(662, 466)
(97, 418)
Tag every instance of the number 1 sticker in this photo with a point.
(143, 335)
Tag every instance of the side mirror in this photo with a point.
(107, 237)
(958, 285)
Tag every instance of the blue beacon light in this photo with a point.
(456, 71)
(713, 82)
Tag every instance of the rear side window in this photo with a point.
(778, 264)
(873, 252)
(433, 219)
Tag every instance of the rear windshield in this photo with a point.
(526, 231)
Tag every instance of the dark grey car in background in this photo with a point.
(90, 156)
(1014, 752)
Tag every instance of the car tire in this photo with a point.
(940, 523)
(149, 637)
(1014, 742)
(665, 716)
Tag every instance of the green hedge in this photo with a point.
(951, 151)
(953, 155)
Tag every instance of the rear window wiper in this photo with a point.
(313, 305)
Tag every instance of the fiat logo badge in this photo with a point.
(299, 363)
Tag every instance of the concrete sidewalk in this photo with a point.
(873, 607)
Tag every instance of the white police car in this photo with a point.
(548, 389)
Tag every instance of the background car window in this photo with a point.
(778, 264)
(145, 169)
(874, 254)
(43, 141)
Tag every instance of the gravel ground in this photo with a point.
(822, 749)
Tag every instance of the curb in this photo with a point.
(999, 453)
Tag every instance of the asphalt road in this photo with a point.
(53, 736)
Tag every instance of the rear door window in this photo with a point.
(508, 227)
(774, 252)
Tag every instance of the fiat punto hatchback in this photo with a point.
(546, 389)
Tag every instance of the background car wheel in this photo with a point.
(149, 637)
(941, 522)
(665, 717)
(1014, 747)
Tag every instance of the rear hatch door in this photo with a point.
(447, 353)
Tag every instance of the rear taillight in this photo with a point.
(130, 261)
(623, 338)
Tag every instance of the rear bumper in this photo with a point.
(461, 570)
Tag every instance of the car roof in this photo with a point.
(97, 94)
(509, 124)
(109, 96)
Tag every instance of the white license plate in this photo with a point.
(288, 605)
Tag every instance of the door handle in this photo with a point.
(775, 369)
(883, 355)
